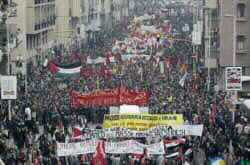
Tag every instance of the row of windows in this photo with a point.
(36, 40)
(43, 1)
(45, 23)
(241, 40)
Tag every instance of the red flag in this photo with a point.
(99, 156)
(77, 133)
(213, 114)
(53, 68)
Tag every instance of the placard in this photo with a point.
(141, 122)
(123, 147)
(8, 87)
(233, 78)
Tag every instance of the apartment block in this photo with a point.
(31, 32)
(78, 18)
(211, 34)
(238, 11)
(234, 37)
(120, 10)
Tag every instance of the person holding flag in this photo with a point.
(99, 156)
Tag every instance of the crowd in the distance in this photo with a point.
(42, 116)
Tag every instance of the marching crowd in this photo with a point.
(42, 115)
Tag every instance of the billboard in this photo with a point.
(233, 78)
(8, 87)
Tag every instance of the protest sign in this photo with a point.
(110, 97)
(123, 147)
(67, 149)
(162, 131)
(233, 78)
(141, 122)
(8, 87)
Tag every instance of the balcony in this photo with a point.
(45, 24)
(242, 19)
(37, 2)
(241, 51)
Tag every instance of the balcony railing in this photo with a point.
(45, 24)
(42, 1)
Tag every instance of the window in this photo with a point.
(241, 42)
(241, 10)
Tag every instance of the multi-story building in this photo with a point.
(3, 37)
(234, 36)
(226, 39)
(120, 10)
(211, 38)
(81, 17)
(31, 32)
(37, 25)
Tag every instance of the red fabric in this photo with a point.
(76, 132)
(90, 72)
(112, 97)
(53, 68)
(99, 156)
(177, 141)
(87, 72)
(137, 156)
(104, 71)
(213, 114)
(37, 162)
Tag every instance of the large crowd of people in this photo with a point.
(42, 115)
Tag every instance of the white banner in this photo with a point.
(233, 78)
(129, 146)
(161, 67)
(193, 130)
(67, 149)
(99, 60)
(132, 146)
(8, 87)
(161, 131)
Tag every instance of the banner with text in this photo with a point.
(123, 147)
(233, 78)
(112, 97)
(8, 87)
(141, 122)
(161, 131)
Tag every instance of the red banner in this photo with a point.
(114, 97)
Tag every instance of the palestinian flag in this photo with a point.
(175, 149)
(67, 70)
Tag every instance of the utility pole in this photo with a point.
(8, 69)
(194, 46)
(209, 20)
(234, 52)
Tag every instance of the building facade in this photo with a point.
(3, 38)
(80, 18)
(120, 10)
(226, 37)
(238, 12)
(30, 32)
(38, 25)
(234, 37)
